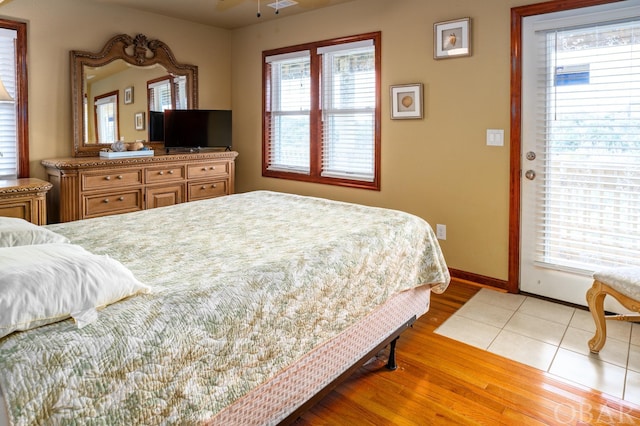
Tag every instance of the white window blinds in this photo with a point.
(348, 110)
(588, 138)
(8, 119)
(159, 95)
(107, 118)
(288, 112)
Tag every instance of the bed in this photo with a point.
(252, 306)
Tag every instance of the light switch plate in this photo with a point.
(495, 137)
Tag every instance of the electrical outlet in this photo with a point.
(441, 232)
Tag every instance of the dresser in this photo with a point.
(25, 199)
(86, 187)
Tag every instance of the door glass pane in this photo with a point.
(588, 125)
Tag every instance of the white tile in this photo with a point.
(614, 351)
(547, 310)
(503, 300)
(617, 329)
(632, 389)
(583, 320)
(588, 371)
(634, 358)
(635, 334)
(536, 328)
(468, 331)
(483, 312)
(523, 349)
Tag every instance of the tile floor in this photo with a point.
(551, 337)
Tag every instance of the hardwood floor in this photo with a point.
(441, 381)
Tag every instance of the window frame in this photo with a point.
(315, 124)
(21, 96)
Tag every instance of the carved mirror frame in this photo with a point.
(137, 51)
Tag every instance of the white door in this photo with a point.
(580, 148)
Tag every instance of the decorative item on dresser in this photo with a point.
(86, 187)
(24, 198)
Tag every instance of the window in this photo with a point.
(322, 112)
(106, 109)
(14, 143)
(165, 95)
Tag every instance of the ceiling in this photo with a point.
(228, 14)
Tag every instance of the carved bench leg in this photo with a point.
(595, 300)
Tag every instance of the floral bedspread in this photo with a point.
(243, 286)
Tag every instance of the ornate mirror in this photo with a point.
(120, 92)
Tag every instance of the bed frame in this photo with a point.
(391, 365)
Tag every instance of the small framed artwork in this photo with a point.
(452, 39)
(128, 95)
(406, 101)
(139, 120)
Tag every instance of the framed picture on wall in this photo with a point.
(406, 101)
(128, 95)
(451, 39)
(139, 120)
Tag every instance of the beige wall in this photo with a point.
(439, 168)
(57, 26)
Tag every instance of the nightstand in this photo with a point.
(25, 198)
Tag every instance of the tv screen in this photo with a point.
(197, 128)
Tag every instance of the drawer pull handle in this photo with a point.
(107, 178)
(203, 187)
(213, 167)
(214, 186)
(204, 169)
(160, 172)
(120, 177)
(121, 199)
(170, 172)
(106, 200)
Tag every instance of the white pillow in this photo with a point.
(46, 283)
(19, 232)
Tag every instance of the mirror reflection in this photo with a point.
(121, 92)
(115, 93)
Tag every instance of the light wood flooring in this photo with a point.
(442, 381)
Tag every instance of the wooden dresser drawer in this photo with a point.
(164, 195)
(205, 170)
(164, 174)
(199, 191)
(86, 187)
(110, 179)
(111, 203)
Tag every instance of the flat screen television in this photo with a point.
(196, 129)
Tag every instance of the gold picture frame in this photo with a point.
(139, 120)
(452, 39)
(406, 101)
(128, 95)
